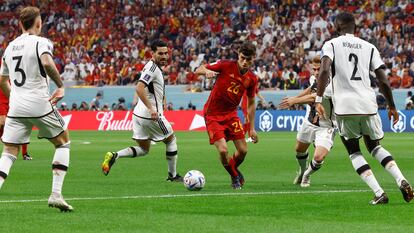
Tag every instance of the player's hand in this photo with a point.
(211, 74)
(286, 103)
(253, 136)
(154, 114)
(392, 112)
(320, 110)
(57, 95)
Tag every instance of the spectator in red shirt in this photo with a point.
(394, 79)
(406, 80)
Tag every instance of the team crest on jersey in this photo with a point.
(401, 124)
(246, 82)
(266, 121)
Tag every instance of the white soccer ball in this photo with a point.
(194, 180)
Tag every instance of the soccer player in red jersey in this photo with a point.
(4, 108)
(233, 78)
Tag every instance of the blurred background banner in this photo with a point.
(189, 120)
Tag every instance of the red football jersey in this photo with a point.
(229, 88)
(3, 98)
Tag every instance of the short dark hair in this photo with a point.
(345, 18)
(28, 16)
(248, 49)
(157, 43)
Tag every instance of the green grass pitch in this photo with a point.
(135, 197)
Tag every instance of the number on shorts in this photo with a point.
(237, 126)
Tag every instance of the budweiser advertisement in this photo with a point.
(122, 120)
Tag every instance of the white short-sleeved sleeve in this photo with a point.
(45, 46)
(376, 61)
(327, 50)
(147, 76)
(4, 70)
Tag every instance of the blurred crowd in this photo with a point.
(105, 42)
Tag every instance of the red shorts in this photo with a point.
(228, 127)
(4, 108)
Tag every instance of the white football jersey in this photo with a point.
(154, 80)
(352, 60)
(29, 96)
(329, 121)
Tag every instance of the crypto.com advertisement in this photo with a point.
(193, 120)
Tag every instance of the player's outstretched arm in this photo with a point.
(52, 72)
(202, 70)
(307, 91)
(385, 89)
(251, 111)
(290, 101)
(142, 94)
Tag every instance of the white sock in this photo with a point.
(131, 152)
(302, 160)
(363, 169)
(172, 156)
(58, 178)
(369, 178)
(172, 164)
(6, 161)
(386, 160)
(60, 165)
(313, 167)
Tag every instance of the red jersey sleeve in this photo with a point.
(252, 89)
(216, 66)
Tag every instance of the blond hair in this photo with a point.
(28, 16)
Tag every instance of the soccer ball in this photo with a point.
(194, 180)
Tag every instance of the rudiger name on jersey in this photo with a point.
(352, 46)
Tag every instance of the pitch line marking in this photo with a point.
(191, 195)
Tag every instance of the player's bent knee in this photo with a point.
(12, 149)
(65, 145)
(61, 139)
(319, 158)
(301, 147)
(223, 150)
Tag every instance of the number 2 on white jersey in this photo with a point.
(355, 57)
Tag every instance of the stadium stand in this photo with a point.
(105, 43)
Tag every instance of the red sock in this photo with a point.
(237, 160)
(233, 167)
(24, 149)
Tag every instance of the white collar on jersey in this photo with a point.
(348, 34)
